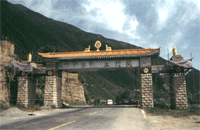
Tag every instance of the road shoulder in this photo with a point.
(131, 118)
(32, 115)
(173, 123)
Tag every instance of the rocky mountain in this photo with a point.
(32, 32)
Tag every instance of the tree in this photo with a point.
(126, 94)
(87, 97)
(118, 99)
(97, 101)
(48, 48)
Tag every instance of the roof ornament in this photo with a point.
(174, 50)
(97, 45)
(108, 48)
(29, 57)
(87, 49)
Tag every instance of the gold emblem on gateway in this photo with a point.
(97, 45)
(146, 70)
(49, 72)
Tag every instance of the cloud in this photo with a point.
(111, 14)
(151, 23)
(191, 13)
(165, 9)
(46, 7)
(174, 40)
(107, 12)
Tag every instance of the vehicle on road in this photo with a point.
(109, 102)
(125, 101)
(134, 101)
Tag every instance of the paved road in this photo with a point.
(91, 118)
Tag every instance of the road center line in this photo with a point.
(62, 125)
(93, 113)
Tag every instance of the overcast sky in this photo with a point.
(145, 23)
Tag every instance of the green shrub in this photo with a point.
(97, 101)
(53, 106)
(3, 106)
(20, 106)
(39, 99)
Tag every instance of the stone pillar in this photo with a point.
(179, 88)
(52, 92)
(26, 91)
(146, 91)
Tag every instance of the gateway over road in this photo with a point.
(87, 60)
(100, 60)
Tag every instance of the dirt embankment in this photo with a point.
(6, 56)
(173, 120)
(172, 123)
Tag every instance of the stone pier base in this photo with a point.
(146, 91)
(26, 91)
(180, 93)
(72, 89)
(52, 93)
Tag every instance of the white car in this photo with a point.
(109, 102)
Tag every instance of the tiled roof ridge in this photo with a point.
(100, 53)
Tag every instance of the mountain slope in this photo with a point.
(32, 32)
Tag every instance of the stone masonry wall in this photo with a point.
(52, 93)
(26, 91)
(72, 89)
(146, 91)
(6, 56)
(179, 84)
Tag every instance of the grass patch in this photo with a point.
(53, 106)
(175, 113)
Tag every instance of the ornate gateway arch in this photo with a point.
(98, 60)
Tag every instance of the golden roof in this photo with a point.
(116, 53)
